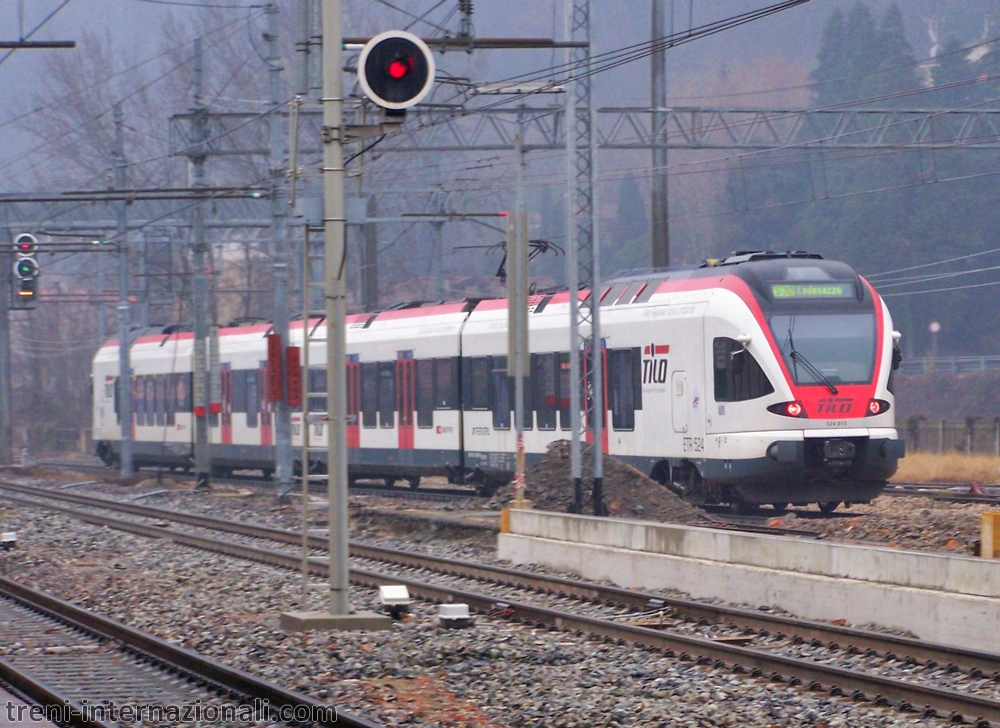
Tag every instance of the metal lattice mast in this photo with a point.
(660, 240)
(582, 258)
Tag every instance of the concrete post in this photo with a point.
(124, 306)
(202, 454)
(279, 210)
(336, 302)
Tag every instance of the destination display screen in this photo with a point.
(826, 289)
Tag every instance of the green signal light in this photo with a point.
(26, 268)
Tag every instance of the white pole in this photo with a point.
(336, 305)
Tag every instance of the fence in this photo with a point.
(47, 440)
(973, 435)
(951, 365)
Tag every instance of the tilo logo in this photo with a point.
(654, 370)
(835, 406)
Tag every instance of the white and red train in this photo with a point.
(764, 378)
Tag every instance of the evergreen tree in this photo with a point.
(897, 63)
(626, 244)
(830, 62)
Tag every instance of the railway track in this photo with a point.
(950, 492)
(640, 619)
(80, 664)
(356, 488)
(716, 519)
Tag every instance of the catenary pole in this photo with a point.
(6, 424)
(279, 208)
(197, 155)
(573, 275)
(334, 225)
(660, 233)
(124, 307)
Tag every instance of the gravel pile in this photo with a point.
(627, 492)
(494, 674)
(921, 524)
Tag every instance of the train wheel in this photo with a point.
(781, 506)
(414, 481)
(389, 481)
(828, 507)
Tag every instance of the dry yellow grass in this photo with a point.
(950, 468)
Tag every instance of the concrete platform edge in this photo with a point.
(942, 617)
(917, 569)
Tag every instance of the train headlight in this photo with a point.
(877, 407)
(788, 409)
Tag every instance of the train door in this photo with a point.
(405, 398)
(264, 406)
(353, 404)
(679, 401)
(227, 403)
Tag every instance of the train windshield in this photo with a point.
(826, 348)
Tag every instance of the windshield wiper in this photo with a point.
(797, 358)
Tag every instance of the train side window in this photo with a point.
(369, 395)
(118, 411)
(445, 384)
(562, 390)
(181, 389)
(239, 390)
(543, 377)
(479, 383)
(387, 394)
(425, 392)
(622, 375)
(168, 398)
(139, 400)
(529, 407)
(263, 406)
(161, 400)
(500, 391)
(738, 375)
(150, 382)
(317, 383)
(252, 397)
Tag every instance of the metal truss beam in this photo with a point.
(436, 128)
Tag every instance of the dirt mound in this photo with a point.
(627, 492)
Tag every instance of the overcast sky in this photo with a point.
(785, 44)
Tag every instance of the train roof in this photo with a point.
(759, 269)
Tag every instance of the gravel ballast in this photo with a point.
(495, 673)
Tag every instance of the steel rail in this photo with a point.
(44, 695)
(862, 686)
(817, 633)
(231, 679)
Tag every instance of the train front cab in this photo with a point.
(798, 358)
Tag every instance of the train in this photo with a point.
(759, 378)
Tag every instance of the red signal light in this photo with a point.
(793, 409)
(400, 67)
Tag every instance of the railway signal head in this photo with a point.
(24, 289)
(396, 70)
